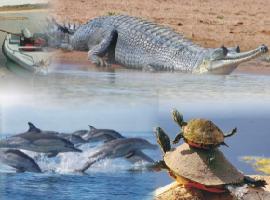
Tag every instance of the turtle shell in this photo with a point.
(201, 131)
(192, 164)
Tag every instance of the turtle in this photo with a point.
(200, 133)
(189, 167)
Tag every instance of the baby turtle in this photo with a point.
(200, 133)
(189, 167)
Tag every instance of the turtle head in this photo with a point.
(162, 139)
(178, 118)
(224, 60)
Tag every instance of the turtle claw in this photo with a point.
(254, 183)
(223, 143)
(210, 158)
(158, 166)
(177, 138)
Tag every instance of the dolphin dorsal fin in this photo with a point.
(91, 128)
(32, 127)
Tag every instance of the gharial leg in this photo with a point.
(96, 53)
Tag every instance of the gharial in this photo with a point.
(139, 44)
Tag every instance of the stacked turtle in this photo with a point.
(198, 163)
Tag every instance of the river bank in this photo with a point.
(207, 23)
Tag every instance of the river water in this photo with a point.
(131, 102)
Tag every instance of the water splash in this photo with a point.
(66, 163)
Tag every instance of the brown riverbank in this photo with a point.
(210, 23)
(24, 7)
(80, 58)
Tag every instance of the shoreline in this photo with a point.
(79, 58)
(38, 7)
(23, 11)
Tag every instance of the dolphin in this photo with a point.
(18, 160)
(80, 133)
(107, 135)
(39, 141)
(122, 147)
(96, 135)
(75, 139)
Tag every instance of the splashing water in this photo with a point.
(68, 163)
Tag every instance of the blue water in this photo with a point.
(120, 185)
(131, 102)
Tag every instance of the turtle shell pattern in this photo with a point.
(201, 131)
(192, 164)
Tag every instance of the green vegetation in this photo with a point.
(259, 163)
(25, 7)
(111, 13)
(220, 17)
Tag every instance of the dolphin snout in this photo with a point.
(77, 150)
(154, 146)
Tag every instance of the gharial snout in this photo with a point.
(77, 150)
(264, 48)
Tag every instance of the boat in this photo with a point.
(32, 57)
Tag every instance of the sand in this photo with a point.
(210, 23)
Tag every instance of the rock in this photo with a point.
(174, 191)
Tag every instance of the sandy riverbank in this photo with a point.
(23, 11)
(210, 23)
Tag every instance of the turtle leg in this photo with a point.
(254, 183)
(223, 143)
(211, 156)
(178, 137)
(157, 166)
(231, 133)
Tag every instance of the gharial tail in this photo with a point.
(68, 27)
(60, 35)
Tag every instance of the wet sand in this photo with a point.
(209, 23)
(79, 59)
(22, 11)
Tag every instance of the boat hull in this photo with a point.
(29, 60)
